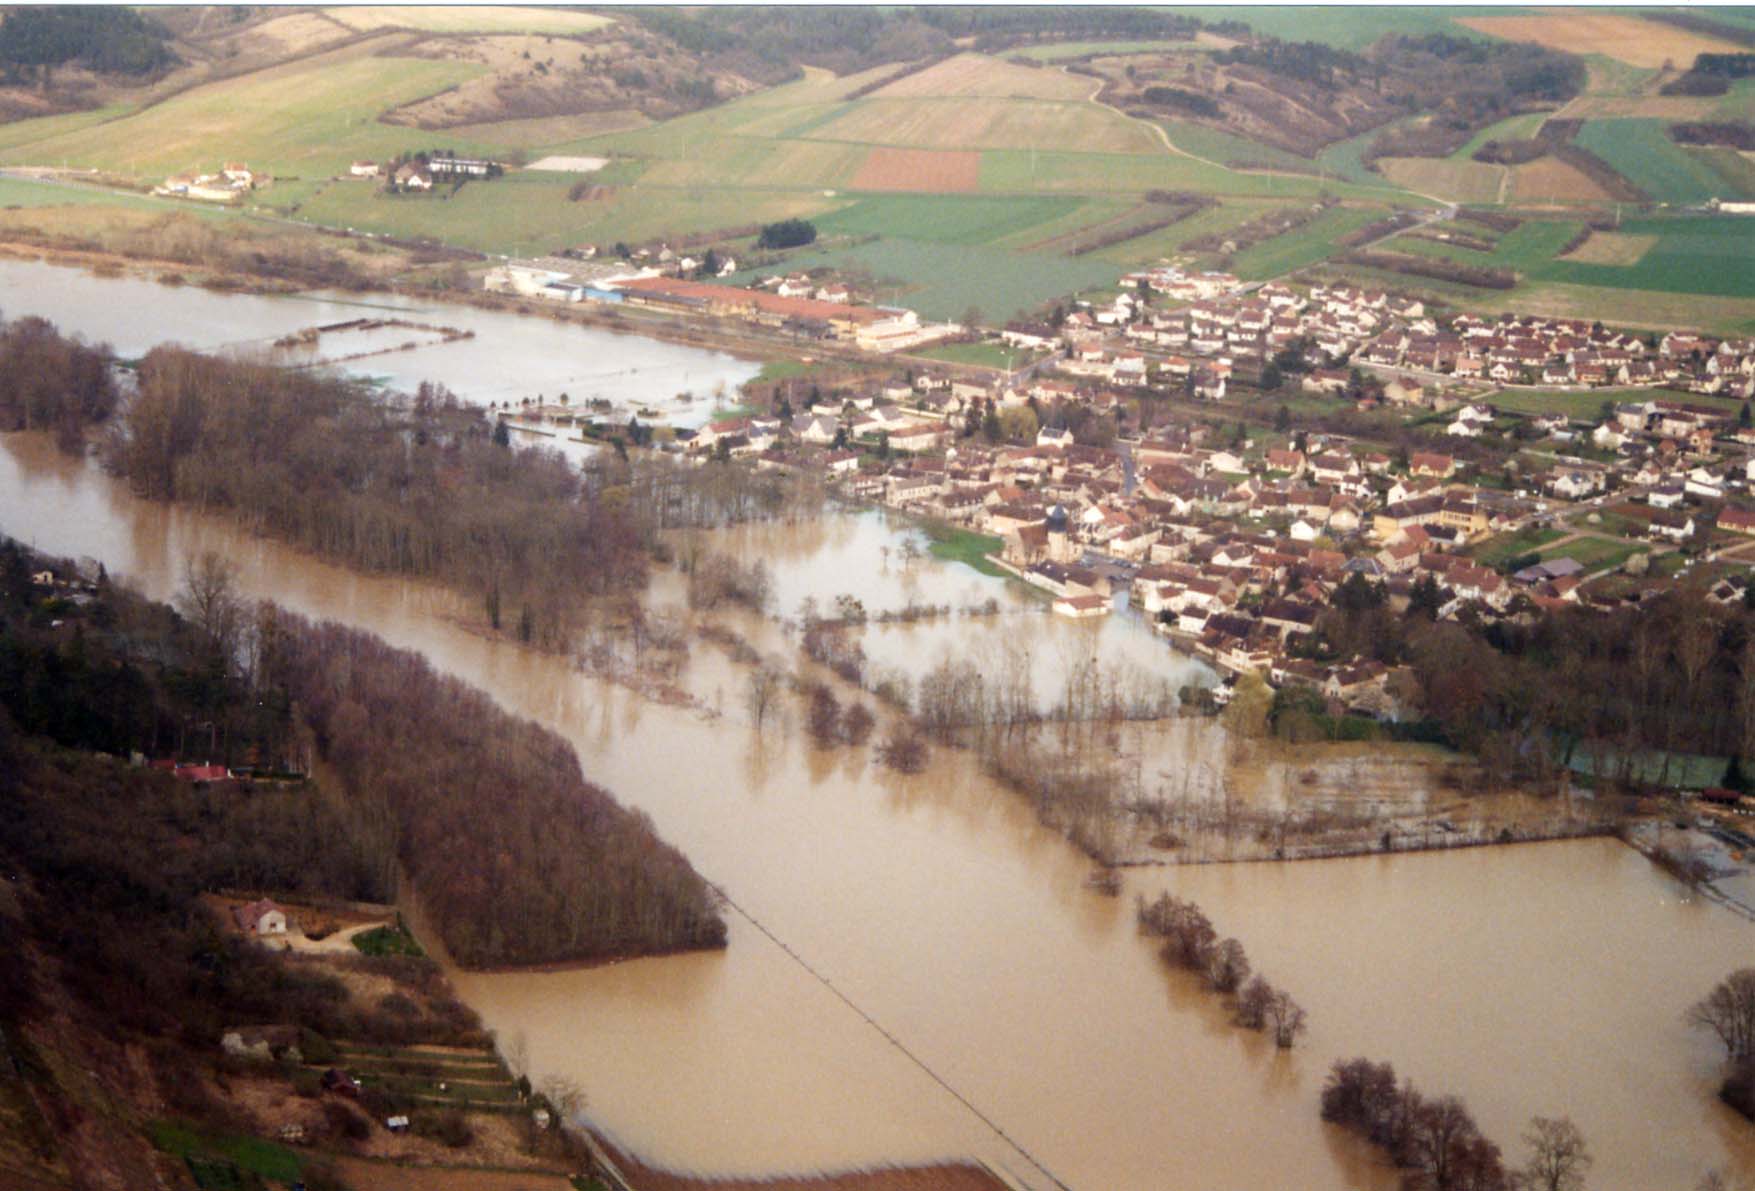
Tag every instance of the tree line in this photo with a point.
(1191, 943)
(517, 858)
(1435, 1141)
(52, 382)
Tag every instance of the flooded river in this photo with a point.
(915, 965)
(510, 357)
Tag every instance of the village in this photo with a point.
(1110, 463)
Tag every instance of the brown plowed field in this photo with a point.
(1585, 31)
(1550, 179)
(939, 171)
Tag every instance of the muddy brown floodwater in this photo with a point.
(916, 969)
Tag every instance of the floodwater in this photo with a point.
(994, 623)
(510, 357)
(1537, 979)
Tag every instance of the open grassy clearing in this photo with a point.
(469, 19)
(539, 131)
(761, 164)
(969, 76)
(1736, 169)
(1346, 159)
(1612, 248)
(313, 116)
(1168, 241)
(941, 281)
(1642, 151)
(1527, 247)
(1100, 173)
(1737, 103)
(947, 219)
(20, 192)
(1303, 246)
(1621, 307)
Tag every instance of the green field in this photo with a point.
(1513, 128)
(948, 218)
(1303, 246)
(941, 281)
(981, 355)
(1644, 153)
(1225, 148)
(1526, 248)
(1496, 550)
(1696, 254)
(1595, 554)
(1579, 404)
(964, 546)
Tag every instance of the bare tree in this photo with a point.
(1287, 1018)
(1253, 1003)
(567, 1097)
(857, 723)
(1729, 1012)
(209, 600)
(904, 751)
(1227, 967)
(1558, 1156)
(764, 687)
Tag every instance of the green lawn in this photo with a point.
(1227, 148)
(982, 355)
(965, 546)
(387, 940)
(1644, 153)
(1595, 554)
(1580, 404)
(249, 1154)
(1495, 550)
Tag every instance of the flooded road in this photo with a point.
(1537, 979)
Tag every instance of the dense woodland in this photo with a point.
(36, 39)
(424, 491)
(516, 857)
(50, 382)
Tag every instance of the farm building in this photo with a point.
(261, 918)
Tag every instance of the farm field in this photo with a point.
(1700, 254)
(1513, 128)
(970, 76)
(469, 19)
(1226, 149)
(1594, 554)
(1550, 180)
(941, 281)
(1622, 37)
(1642, 308)
(1346, 27)
(946, 219)
(27, 132)
(1643, 152)
(934, 170)
(1168, 241)
(1457, 181)
(1303, 246)
(312, 116)
(989, 123)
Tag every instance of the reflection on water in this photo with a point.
(1537, 979)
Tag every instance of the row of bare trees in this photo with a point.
(1191, 943)
(1435, 1139)
(52, 382)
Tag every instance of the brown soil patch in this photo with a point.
(968, 75)
(1612, 248)
(1551, 179)
(919, 169)
(1625, 38)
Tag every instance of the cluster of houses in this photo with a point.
(229, 185)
